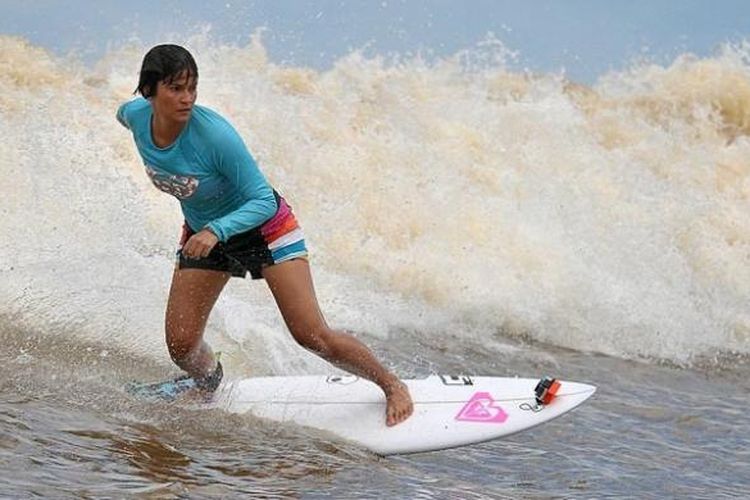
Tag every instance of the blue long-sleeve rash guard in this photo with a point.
(208, 168)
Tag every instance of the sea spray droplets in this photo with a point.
(606, 218)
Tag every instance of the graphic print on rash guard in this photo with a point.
(179, 186)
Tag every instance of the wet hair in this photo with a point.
(164, 63)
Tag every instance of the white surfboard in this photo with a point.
(449, 410)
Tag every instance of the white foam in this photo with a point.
(611, 219)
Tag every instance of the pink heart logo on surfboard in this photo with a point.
(482, 408)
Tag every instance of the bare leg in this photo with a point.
(191, 298)
(292, 287)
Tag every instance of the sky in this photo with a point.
(583, 38)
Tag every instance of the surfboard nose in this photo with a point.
(573, 394)
(574, 388)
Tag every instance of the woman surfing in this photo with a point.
(235, 223)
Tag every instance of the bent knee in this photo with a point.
(315, 339)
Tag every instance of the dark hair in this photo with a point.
(164, 63)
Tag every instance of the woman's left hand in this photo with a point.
(200, 244)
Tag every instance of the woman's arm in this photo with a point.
(235, 162)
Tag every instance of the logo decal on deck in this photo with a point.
(536, 407)
(342, 379)
(456, 380)
(482, 408)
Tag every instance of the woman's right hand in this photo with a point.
(200, 244)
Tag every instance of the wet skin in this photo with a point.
(194, 291)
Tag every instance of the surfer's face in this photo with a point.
(174, 99)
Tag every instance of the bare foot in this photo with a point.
(398, 403)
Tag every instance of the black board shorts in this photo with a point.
(277, 240)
